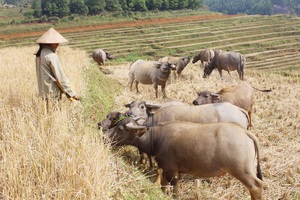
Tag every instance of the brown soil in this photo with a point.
(119, 24)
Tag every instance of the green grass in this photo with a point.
(101, 93)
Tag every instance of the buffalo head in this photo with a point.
(208, 67)
(196, 58)
(111, 120)
(165, 67)
(206, 97)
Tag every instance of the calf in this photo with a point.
(100, 56)
(205, 56)
(150, 72)
(179, 62)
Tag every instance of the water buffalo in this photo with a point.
(144, 109)
(205, 55)
(202, 150)
(150, 72)
(179, 62)
(111, 120)
(241, 95)
(218, 112)
(228, 61)
(100, 56)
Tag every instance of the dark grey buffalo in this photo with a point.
(100, 56)
(179, 62)
(228, 61)
(113, 119)
(208, 113)
(202, 150)
(150, 72)
(205, 56)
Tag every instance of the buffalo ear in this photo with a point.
(128, 105)
(152, 106)
(109, 56)
(215, 97)
(157, 64)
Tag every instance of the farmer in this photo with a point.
(51, 78)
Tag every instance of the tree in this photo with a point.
(194, 4)
(138, 5)
(262, 7)
(112, 5)
(165, 5)
(63, 8)
(182, 4)
(37, 8)
(154, 4)
(55, 8)
(95, 6)
(49, 8)
(124, 5)
(78, 7)
(173, 4)
(240, 6)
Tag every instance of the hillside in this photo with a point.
(268, 42)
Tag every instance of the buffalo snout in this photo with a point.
(195, 103)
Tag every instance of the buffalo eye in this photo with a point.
(142, 107)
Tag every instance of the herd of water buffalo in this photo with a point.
(206, 139)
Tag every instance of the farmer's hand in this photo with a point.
(76, 97)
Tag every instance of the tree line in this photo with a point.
(263, 7)
(63, 8)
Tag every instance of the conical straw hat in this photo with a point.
(51, 37)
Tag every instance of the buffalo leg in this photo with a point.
(220, 72)
(163, 86)
(164, 183)
(172, 178)
(136, 86)
(156, 90)
(241, 75)
(253, 184)
(250, 121)
(158, 180)
(130, 82)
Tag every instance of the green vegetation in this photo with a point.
(101, 93)
(263, 7)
